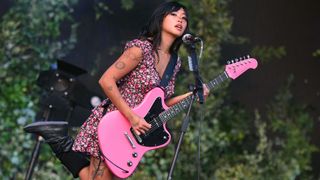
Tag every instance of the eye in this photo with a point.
(173, 14)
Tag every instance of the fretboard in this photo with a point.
(184, 104)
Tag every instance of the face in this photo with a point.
(175, 23)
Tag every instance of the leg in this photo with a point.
(84, 173)
(56, 135)
(98, 170)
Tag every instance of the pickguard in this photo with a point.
(158, 136)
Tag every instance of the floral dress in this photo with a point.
(133, 87)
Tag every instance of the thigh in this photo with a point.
(98, 170)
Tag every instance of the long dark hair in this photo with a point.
(152, 30)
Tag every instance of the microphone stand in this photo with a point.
(37, 147)
(197, 91)
(195, 69)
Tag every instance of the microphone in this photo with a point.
(190, 39)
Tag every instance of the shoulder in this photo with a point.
(137, 49)
(144, 45)
(142, 48)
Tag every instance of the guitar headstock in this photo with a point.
(239, 66)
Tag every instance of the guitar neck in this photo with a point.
(182, 105)
(218, 80)
(232, 71)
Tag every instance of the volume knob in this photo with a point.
(134, 154)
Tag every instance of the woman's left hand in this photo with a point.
(206, 91)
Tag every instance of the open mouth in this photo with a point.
(179, 27)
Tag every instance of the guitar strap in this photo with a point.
(169, 70)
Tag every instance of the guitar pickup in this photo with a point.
(138, 138)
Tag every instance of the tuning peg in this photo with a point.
(232, 61)
(228, 62)
(248, 56)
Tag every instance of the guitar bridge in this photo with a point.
(130, 140)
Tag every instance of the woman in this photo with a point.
(137, 71)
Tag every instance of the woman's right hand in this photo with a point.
(139, 125)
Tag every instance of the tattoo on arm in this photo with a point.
(99, 169)
(120, 65)
(109, 88)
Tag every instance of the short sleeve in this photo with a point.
(145, 46)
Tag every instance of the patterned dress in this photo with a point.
(133, 87)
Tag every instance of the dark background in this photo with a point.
(295, 25)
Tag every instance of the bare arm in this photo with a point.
(122, 66)
(175, 100)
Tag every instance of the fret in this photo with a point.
(210, 85)
(217, 80)
(225, 74)
(171, 114)
(161, 117)
(177, 109)
(168, 115)
(220, 78)
(156, 121)
(179, 106)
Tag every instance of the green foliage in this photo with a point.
(29, 41)
(316, 53)
(102, 7)
(282, 151)
(127, 4)
(268, 53)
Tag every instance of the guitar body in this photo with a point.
(121, 148)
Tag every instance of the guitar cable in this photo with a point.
(104, 157)
(97, 169)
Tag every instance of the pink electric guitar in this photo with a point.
(122, 149)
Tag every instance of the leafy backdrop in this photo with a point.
(235, 144)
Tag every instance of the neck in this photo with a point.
(166, 42)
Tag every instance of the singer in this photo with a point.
(140, 68)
